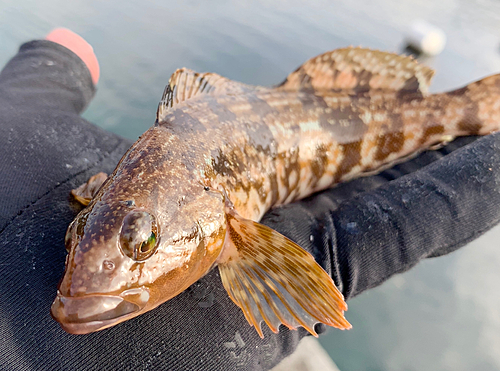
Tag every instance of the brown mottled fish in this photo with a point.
(188, 194)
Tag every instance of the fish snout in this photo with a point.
(85, 314)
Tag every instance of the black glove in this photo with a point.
(361, 232)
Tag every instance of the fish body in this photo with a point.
(189, 193)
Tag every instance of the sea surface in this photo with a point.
(442, 315)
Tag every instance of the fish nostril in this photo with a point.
(108, 265)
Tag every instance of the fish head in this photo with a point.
(127, 255)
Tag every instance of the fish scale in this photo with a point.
(331, 140)
(188, 194)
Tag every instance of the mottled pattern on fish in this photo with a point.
(188, 194)
(273, 146)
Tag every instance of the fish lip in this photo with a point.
(89, 313)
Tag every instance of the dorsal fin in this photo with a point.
(185, 84)
(360, 70)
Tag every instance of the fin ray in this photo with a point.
(249, 305)
(283, 307)
(185, 84)
(314, 309)
(258, 287)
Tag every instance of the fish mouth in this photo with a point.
(85, 314)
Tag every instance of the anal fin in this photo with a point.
(274, 280)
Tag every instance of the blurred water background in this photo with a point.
(442, 315)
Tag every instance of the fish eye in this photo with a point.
(139, 235)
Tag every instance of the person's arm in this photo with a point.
(43, 139)
(48, 75)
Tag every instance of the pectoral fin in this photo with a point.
(87, 191)
(273, 279)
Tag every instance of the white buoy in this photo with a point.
(426, 38)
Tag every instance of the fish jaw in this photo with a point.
(85, 314)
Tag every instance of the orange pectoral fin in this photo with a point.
(272, 279)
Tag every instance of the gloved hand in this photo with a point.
(361, 232)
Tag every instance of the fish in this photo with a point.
(188, 195)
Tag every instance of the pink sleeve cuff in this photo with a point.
(79, 46)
